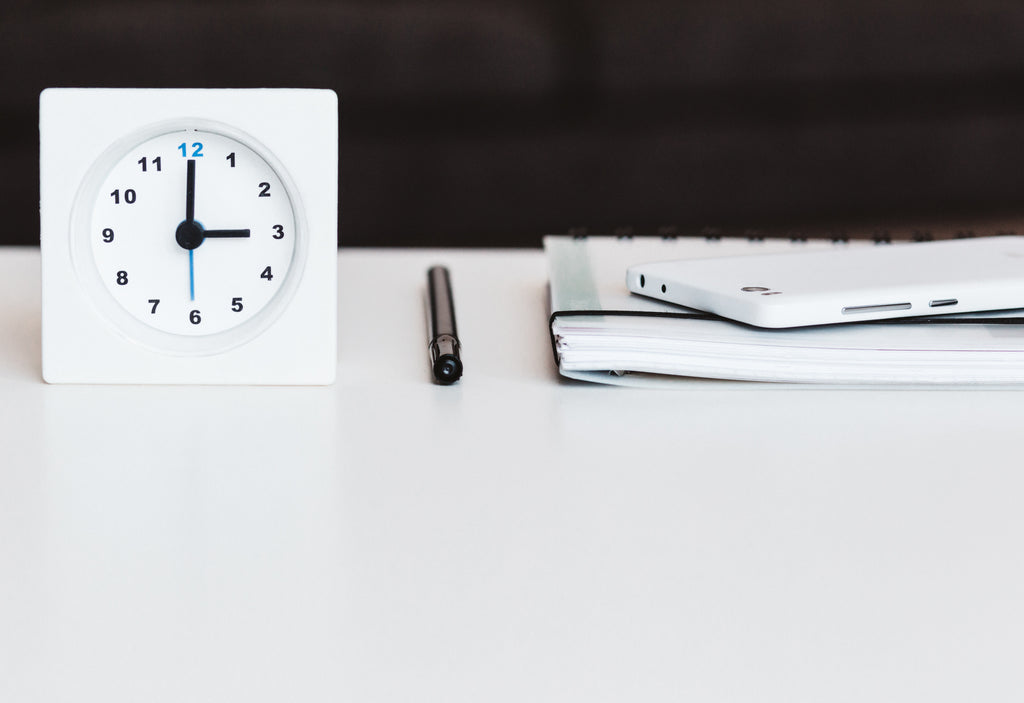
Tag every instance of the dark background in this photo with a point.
(493, 122)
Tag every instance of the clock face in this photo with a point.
(191, 232)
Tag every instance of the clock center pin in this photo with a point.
(189, 235)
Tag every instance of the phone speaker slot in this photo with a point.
(944, 303)
(865, 309)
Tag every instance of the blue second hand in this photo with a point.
(191, 275)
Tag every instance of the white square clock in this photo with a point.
(189, 236)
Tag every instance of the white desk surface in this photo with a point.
(512, 538)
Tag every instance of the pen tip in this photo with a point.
(447, 369)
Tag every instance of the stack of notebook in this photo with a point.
(601, 332)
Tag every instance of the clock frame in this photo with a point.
(91, 334)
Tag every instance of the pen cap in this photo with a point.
(442, 310)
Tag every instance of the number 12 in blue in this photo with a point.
(197, 149)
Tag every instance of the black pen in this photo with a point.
(444, 342)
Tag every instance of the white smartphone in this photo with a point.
(797, 289)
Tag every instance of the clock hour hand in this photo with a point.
(190, 235)
(224, 233)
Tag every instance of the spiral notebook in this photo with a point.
(600, 332)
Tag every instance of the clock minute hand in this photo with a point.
(190, 192)
(188, 227)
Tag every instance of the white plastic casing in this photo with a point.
(85, 340)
